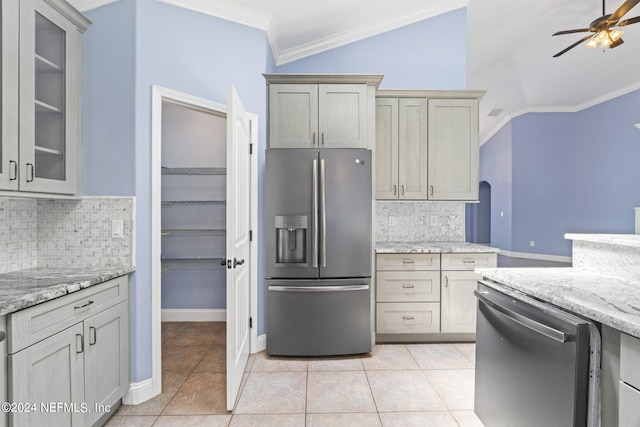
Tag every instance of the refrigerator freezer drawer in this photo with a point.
(304, 319)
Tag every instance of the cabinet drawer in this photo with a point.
(469, 261)
(407, 262)
(629, 406)
(407, 286)
(41, 321)
(630, 360)
(407, 318)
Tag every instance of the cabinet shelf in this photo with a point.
(43, 65)
(44, 108)
(181, 232)
(192, 202)
(192, 264)
(45, 150)
(193, 171)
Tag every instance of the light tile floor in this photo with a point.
(396, 385)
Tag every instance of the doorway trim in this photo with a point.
(158, 96)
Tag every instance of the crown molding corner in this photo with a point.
(226, 10)
(87, 5)
(365, 31)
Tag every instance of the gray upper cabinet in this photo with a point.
(331, 111)
(41, 143)
(453, 149)
(427, 145)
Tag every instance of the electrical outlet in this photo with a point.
(392, 221)
(532, 243)
(117, 229)
(434, 220)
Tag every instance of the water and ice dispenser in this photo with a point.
(291, 239)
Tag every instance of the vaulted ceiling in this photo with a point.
(509, 44)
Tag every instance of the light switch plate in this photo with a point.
(117, 229)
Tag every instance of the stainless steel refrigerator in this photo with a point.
(318, 251)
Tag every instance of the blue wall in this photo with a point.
(134, 44)
(417, 56)
(496, 169)
(570, 172)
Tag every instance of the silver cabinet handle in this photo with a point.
(468, 261)
(79, 338)
(313, 141)
(78, 307)
(446, 281)
(408, 261)
(314, 215)
(323, 212)
(15, 170)
(528, 323)
(402, 190)
(408, 317)
(322, 138)
(395, 189)
(431, 190)
(95, 336)
(33, 172)
(408, 286)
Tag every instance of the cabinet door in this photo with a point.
(386, 148)
(107, 359)
(293, 116)
(9, 95)
(50, 372)
(50, 81)
(342, 115)
(453, 149)
(459, 305)
(412, 149)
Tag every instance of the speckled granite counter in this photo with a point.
(432, 247)
(26, 288)
(603, 284)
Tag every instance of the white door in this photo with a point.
(239, 137)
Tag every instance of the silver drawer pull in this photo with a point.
(408, 286)
(408, 261)
(468, 261)
(83, 306)
(408, 317)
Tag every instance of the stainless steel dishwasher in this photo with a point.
(532, 363)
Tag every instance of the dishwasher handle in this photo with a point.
(535, 326)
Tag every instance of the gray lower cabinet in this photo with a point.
(80, 369)
(629, 388)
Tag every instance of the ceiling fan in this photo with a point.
(601, 28)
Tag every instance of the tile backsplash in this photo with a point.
(62, 233)
(420, 221)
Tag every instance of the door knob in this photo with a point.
(237, 262)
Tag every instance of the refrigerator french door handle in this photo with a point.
(343, 288)
(323, 215)
(314, 216)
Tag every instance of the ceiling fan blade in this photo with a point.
(580, 30)
(629, 21)
(573, 45)
(622, 10)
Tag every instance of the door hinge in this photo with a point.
(250, 148)
(251, 235)
(250, 322)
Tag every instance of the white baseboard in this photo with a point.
(262, 343)
(543, 257)
(194, 315)
(139, 392)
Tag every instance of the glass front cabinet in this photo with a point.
(41, 142)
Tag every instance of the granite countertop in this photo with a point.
(26, 288)
(432, 247)
(632, 240)
(612, 302)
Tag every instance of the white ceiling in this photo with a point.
(509, 44)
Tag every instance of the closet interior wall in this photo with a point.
(193, 208)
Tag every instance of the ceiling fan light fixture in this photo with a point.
(593, 43)
(616, 34)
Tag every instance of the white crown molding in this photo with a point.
(365, 31)
(568, 109)
(85, 5)
(226, 10)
